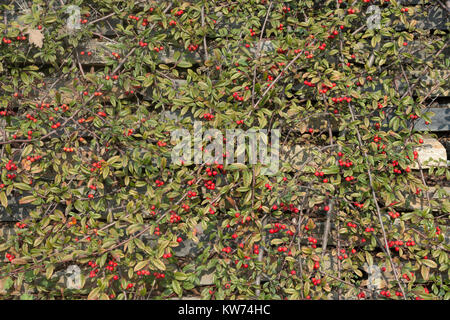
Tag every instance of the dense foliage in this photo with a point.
(86, 149)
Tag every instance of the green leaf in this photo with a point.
(176, 287)
(158, 264)
(180, 276)
(184, 64)
(141, 265)
(22, 186)
(429, 263)
(3, 199)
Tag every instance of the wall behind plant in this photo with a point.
(93, 207)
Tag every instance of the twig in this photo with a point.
(369, 172)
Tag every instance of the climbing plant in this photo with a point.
(91, 92)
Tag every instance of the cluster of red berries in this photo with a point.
(322, 46)
(193, 47)
(286, 9)
(252, 33)
(97, 165)
(156, 49)
(333, 34)
(315, 281)
(6, 40)
(369, 229)
(88, 53)
(167, 255)
(413, 116)
(10, 257)
(277, 227)
(159, 183)
(179, 13)
(394, 215)
(341, 99)
(406, 277)
(101, 114)
(56, 125)
(351, 11)
(319, 173)
(11, 166)
(408, 243)
(351, 225)
(157, 232)
(172, 23)
(358, 205)
(404, 10)
(415, 153)
(289, 207)
(115, 55)
(3, 113)
(346, 164)
(161, 144)
(244, 265)
(349, 178)
(21, 225)
(174, 218)
(237, 97)
(239, 121)
(185, 207)
(438, 231)
(143, 273)
(33, 159)
(143, 44)
(68, 149)
(158, 275)
(343, 254)
(210, 185)
(325, 88)
(309, 84)
(226, 249)
(361, 295)
(152, 212)
(208, 116)
(387, 294)
(211, 172)
(111, 265)
(308, 54)
(115, 77)
(281, 51)
(128, 132)
(312, 240)
(83, 21)
(93, 272)
(191, 194)
(282, 249)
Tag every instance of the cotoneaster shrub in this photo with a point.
(89, 156)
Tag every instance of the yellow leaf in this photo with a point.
(3, 199)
